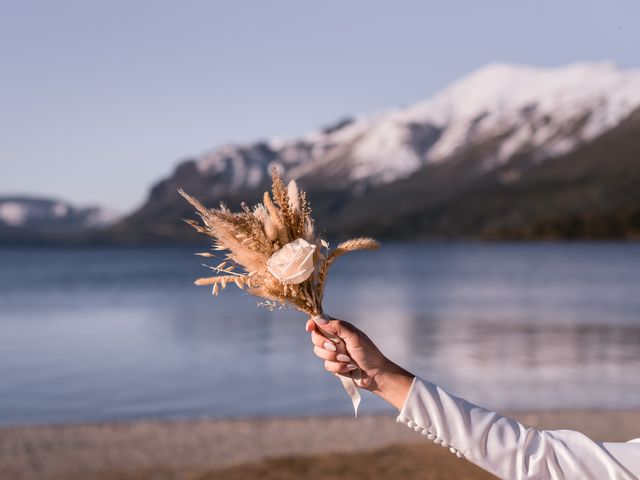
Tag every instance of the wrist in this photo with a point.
(393, 383)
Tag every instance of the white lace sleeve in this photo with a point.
(505, 447)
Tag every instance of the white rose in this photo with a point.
(293, 263)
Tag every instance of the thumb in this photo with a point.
(342, 329)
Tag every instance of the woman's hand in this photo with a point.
(355, 350)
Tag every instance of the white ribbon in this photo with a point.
(350, 383)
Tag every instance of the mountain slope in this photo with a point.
(32, 219)
(591, 192)
(508, 151)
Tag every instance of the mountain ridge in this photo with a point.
(35, 219)
(506, 152)
(371, 174)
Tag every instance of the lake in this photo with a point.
(96, 334)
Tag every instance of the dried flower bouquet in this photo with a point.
(273, 251)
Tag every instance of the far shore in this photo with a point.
(369, 447)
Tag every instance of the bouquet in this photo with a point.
(272, 251)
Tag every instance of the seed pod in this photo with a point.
(270, 229)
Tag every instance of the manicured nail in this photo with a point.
(351, 366)
(329, 346)
(321, 319)
(341, 357)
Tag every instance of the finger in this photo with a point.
(310, 326)
(323, 342)
(320, 340)
(332, 356)
(325, 333)
(338, 367)
(317, 339)
(342, 329)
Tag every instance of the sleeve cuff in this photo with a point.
(403, 415)
(414, 414)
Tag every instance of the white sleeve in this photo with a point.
(505, 447)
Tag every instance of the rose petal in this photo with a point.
(293, 263)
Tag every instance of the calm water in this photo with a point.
(97, 334)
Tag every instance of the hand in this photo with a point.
(355, 350)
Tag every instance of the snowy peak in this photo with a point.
(513, 109)
(545, 110)
(548, 111)
(501, 88)
(38, 213)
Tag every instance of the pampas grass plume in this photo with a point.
(294, 196)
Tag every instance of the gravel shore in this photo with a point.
(251, 448)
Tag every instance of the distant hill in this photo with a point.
(508, 152)
(40, 220)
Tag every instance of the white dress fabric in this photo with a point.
(508, 449)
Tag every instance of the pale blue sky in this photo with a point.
(99, 99)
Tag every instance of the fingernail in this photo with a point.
(329, 346)
(351, 366)
(321, 319)
(341, 357)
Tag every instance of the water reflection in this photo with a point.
(101, 334)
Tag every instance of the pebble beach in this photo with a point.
(271, 448)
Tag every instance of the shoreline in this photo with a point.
(550, 414)
(192, 448)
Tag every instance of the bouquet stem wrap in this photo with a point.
(349, 383)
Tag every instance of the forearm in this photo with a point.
(393, 384)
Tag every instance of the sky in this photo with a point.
(100, 100)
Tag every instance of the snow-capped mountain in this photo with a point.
(506, 152)
(545, 112)
(31, 218)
